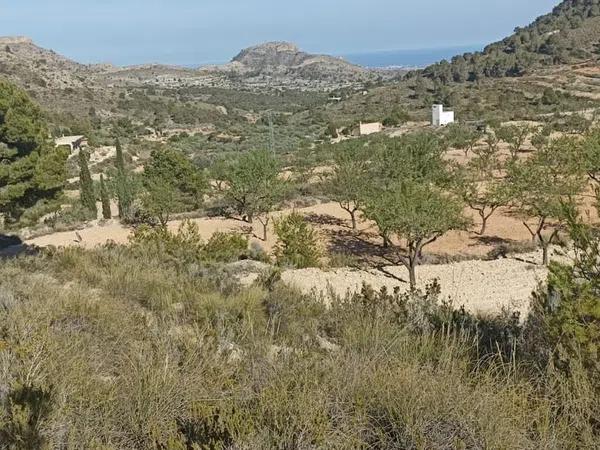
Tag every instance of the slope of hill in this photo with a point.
(569, 34)
(35, 68)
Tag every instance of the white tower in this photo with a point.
(439, 117)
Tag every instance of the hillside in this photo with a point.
(569, 34)
(36, 68)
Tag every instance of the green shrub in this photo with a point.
(226, 247)
(297, 242)
(184, 246)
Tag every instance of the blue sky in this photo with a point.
(192, 32)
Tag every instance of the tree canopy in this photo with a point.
(31, 169)
(254, 185)
(550, 39)
(543, 184)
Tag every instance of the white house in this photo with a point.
(370, 128)
(440, 118)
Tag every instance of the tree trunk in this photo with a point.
(386, 241)
(412, 273)
(484, 220)
(545, 253)
(353, 217)
(265, 224)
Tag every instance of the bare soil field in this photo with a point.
(332, 223)
(481, 287)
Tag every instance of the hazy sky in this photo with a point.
(200, 31)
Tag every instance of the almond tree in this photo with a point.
(591, 155)
(542, 185)
(417, 214)
(515, 136)
(347, 183)
(416, 157)
(462, 137)
(254, 186)
(481, 186)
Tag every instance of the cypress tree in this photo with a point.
(86, 185)
(123, 189)
(105, 199)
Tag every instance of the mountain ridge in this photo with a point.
(569, 34)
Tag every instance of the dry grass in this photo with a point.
(111, 348)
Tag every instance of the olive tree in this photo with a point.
(417, 214)
(160, 199)
(542, 185)
(174, 167)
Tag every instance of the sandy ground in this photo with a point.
(482, 287)
(332, 222)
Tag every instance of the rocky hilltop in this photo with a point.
(36, 68)
(285, 58)
(271, 54)
(15, 40)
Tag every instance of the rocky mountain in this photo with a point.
(285, 58)
(570, 34)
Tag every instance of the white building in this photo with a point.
(440, 118)
(370, 128)
(74, 142)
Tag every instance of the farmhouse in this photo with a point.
(370, 128)
(439, 117)
(73, 142)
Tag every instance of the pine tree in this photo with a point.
(31, 168)
(105, 199)
(123, 188)
(86, 185)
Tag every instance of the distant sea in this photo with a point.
(407, 58)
